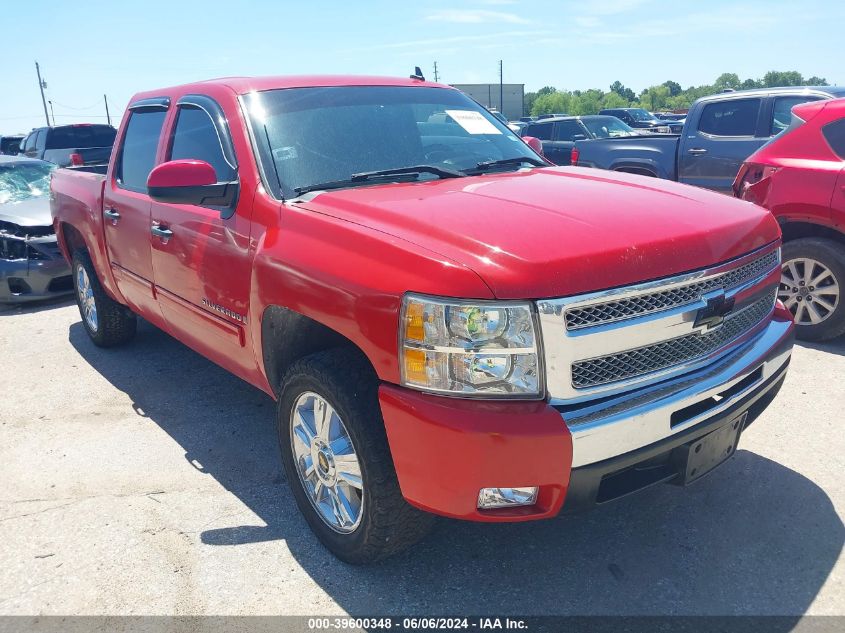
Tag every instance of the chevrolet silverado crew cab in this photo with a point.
(450, 325)
(719, 133)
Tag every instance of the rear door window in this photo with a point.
(782, 111)
(195, 136)
(834, 134)
(81, 136)
(542, 131)
(566, 130)
(735, 117)
(138, 152)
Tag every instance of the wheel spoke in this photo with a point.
(790, 303)
(830, 307)
(809, 268)
(349, 470)
(815, 317)
(341, 507)
(322, 418)
(793, 272)
(828, 291)
(308, 467)
(824, 274)
(303, 434)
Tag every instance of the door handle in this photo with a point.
(696, 151)
(112, 214)
(159, 231)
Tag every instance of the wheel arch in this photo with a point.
(288, 336)
(796, 229)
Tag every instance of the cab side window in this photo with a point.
(138, 151)
(196, 137)
(734, 117)
(834, 134)
(782, 111)
(542, 131)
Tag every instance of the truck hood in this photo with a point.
(32, 212)
(553, 232)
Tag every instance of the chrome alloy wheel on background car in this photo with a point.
(85, 294)
(809, 289)
(327, 463)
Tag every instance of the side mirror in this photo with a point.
(190, 182)
(534, 143)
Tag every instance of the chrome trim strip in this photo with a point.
(617, 426)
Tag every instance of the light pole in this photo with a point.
(51, 112)
(41, 85)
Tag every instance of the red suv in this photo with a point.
(800, 177)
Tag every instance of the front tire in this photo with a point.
(337, 461)
(107, 322)
(812, 280)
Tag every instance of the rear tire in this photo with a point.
(107, 322)
(358, 525)
(812, 282)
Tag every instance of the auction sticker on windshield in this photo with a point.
(473, 122)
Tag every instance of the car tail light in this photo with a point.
(573, 159)
(752, 181)
(76, 159)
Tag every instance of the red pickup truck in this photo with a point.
(450, 325)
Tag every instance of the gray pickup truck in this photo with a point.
(64, 145)
(720, 132)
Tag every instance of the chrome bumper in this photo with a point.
(616, 425)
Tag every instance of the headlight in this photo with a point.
(475, 349)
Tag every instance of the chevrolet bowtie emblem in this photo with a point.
(713, 314)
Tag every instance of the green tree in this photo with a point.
(550, 102)
(674, 88)
(626, 93)
(817, 81)
(654, 98)
(775, 78)
(614, 100)
(749, 84)
(531, 97)
(727, 81)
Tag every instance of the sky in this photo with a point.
(88, 48)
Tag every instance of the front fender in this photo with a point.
(349, 278)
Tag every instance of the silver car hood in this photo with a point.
(33, 212)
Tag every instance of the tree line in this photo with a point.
(667, 96)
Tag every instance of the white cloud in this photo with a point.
(507, 36)
(475, 16)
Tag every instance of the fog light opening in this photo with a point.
(489, 498)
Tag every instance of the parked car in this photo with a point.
(641, 119)
(670, 116)
(449, 324)
(77, 144)
(550, 116)
(31, 265)
(800, 177)
(559, 135)
(10, 144)
(720, 132)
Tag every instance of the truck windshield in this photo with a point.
(641, 115)
(607, 127)
(308, 136)
(81, 136)
(22, 180)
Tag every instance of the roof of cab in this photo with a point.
(244, 85)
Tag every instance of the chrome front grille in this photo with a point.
(612, 311)
(652, 358)
(611, 341)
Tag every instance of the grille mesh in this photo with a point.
(610, 311)
(645, 360)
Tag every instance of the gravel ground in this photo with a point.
(146, 480)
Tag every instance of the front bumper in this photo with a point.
(24, 280)
(445, 450)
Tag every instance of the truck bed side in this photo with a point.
(76, 203)
(649, 155)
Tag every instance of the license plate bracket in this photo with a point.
(703, 455)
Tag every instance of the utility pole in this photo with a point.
(51, 112)
(41, 86)
(501, 90)
(436, 76)
(108, 116)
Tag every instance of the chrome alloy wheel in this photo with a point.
(86, 298)
(326, 462)
(809, 289)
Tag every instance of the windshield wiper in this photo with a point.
(400, 173)
(487, 165)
